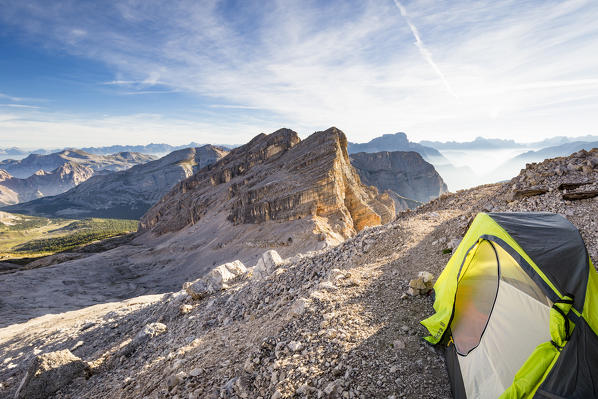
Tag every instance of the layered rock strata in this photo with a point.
(277, 177)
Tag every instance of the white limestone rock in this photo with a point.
(268, 262)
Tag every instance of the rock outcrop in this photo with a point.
(28, 166)
(405, 173)
(277, 177)
(216, 280)
(267, 263)
(128, 193)
(50, 372)
(68, 175)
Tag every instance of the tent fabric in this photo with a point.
(454, 372)
(475, 298)
(571, 376)
(503, 349)
(555, 244)
(590, 308)
(530, 335)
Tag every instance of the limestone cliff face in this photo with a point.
(277, 177)
(405, 173)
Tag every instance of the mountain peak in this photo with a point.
(276, 177)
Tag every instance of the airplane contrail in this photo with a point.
(422, 48)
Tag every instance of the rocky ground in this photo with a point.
(329, 324)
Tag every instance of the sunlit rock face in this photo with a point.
(277, 177)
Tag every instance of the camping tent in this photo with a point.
(517, 308)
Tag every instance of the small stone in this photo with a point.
(77, 345)
(173, 381)
(195, 372)
(276, 395)
(327, 285)
(185, 308)
(425, 276)
(151, 330)
(295, 346)
(298, 307)
(417, 283)
(399, 344)
(177, 364)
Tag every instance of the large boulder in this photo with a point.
(268, 262)
(216, 280)
(49, 372)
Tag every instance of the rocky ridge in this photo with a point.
(28, 166)
(404, 173)
(127, 193)
(326, 324)
(68, 175)
(277, 177)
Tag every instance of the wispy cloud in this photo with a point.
(232, 106)
(20, 106)
(422, 48)
(352, 64)
(11, 98)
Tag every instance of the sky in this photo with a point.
(93, 73)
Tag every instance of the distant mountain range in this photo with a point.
(14, 190)
(152, 148)
(124, 194)
(481, 143)
(33, 163)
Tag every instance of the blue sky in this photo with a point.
(79, 73)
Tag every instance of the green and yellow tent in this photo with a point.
(517, 308)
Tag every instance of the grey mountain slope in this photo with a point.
(124, 194)
(14, 190)
(404, 172)
(28, 166)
